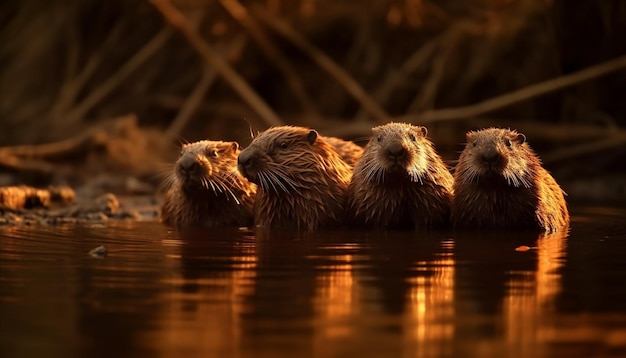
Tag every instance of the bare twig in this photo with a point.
(177, 20)
(556, 133)
(63, 147)
(617, 139)
(395, 79)
(21, 164)
(532, 129)
(74, 84)
(195, 98)
(191, 103)
(112, 82)
(325, 62)
(516, 96)
(240, 13)
(428, 92)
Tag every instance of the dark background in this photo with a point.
(115, 89)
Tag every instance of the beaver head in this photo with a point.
(286, 158)
(397, 151)
(302, 178)
(496, 154)
(206, 167)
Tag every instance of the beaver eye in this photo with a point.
(213, 153)
(412, 137)
(508, 143)
(378, 138)
(283, 145)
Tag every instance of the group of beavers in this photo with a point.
(291, 177)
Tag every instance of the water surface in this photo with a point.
(161, 292)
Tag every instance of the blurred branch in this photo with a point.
(68, 145)
(112, 82)
(30, 157)
(395, 79)
(428, 92)
(516, 96)
(325, 62)
(195, 98)
(73, 84)
(174, 17)
(9, 161)
(614, 140)
(550, 132)
(240, 13)
(533, 129)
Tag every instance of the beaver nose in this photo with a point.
(395, 150)
(245, 159)
(187, 164)
(491, 156)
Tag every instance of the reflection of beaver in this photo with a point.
(302, 179)
(500, 184)
(349, 151)
(400, 180)
(205, 188)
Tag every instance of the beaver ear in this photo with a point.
(521, 138)
(234, 146)
(423, 130)
(312, 136)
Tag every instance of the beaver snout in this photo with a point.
(246, 162)
(395, 150)
(491, 156)
(187, 165)
(245, 159)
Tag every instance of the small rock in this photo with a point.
(99, 251)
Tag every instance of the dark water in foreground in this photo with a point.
(336, 294)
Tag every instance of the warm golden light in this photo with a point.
(529, 302)
(428, 321)
(219, 317)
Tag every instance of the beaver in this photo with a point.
(205, 188)
(400, 180)
(501, 184)
(349, 151)
(302, 180)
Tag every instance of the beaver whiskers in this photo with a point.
(514, 178)
(400, 180)
(219, 185)
(205, 188)
(500, 184)
(274, 176)
(376, 173)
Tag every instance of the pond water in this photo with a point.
(222, 293)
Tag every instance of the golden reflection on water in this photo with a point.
(336, 305)
(336, 296)
(429, 312)
(163, 295)
(204, 314)
(209, 317)
(529, 301)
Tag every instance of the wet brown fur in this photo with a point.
(214, 193)
(411, 189)
(517, 193)
(302, 180)
(349, 151)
